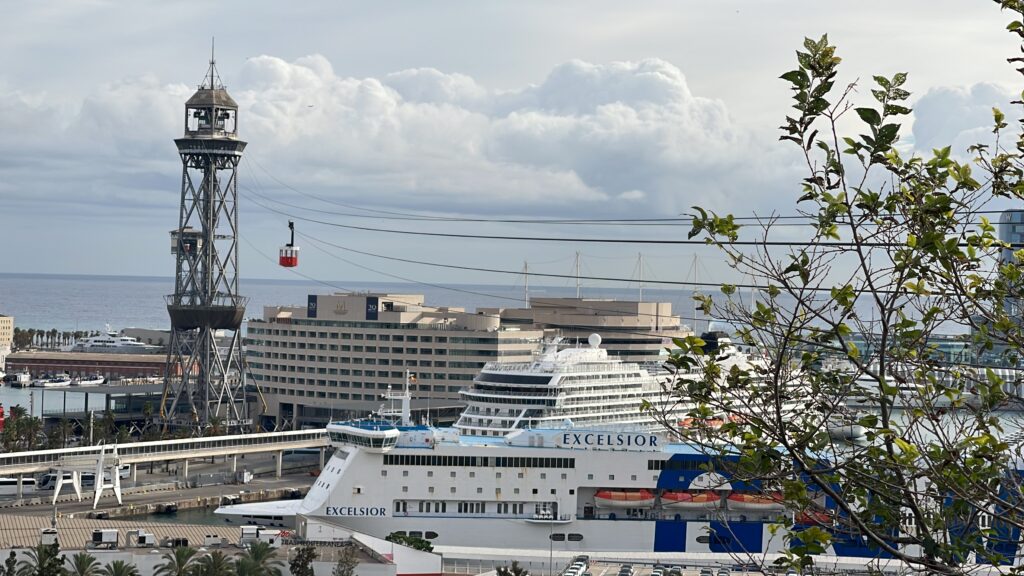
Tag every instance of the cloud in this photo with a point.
(958, 116)
(586, 139)
(623, 138)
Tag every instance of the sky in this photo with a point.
(367, 113)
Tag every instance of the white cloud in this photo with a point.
(958, 116)
(625, 139)
(585, 137)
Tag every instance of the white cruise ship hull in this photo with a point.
(532, 490)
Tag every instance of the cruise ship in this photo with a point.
(554, 450)
(579, 386)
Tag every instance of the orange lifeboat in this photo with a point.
(813, 518)
(701, 422)
(691, 500)
(624, 498)
(766, 501)
(715, 422)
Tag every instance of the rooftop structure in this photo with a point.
(631, 331)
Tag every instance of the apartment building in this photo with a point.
(632, 331)
(339, 355)
(6, 338)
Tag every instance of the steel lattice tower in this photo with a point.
(204, 378)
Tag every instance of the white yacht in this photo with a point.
(112, 343)
(53, 381)
(90, 380)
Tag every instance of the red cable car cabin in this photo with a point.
(289, 257)
(289, 254)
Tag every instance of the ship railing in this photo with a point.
(549, 516)
(552, 368)
(546, 395)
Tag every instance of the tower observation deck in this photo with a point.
(204, 379)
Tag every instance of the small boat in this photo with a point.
(850, 433)
(766, 501)
(624, 498)
(93, 380)
(813, 518)
(691, 500)
(58, 381)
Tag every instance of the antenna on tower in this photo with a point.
(211, 80)
(213, 58)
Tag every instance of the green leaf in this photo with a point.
(797, 78)
(869, 115)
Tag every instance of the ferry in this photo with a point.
(557, 449)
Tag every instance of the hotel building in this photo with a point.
(338, 355)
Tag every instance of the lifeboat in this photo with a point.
(715, 422)
(813, 518)
(624, 498)
(766, 501)
(691, 500)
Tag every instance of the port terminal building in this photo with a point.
(75, 364)
(340, 354)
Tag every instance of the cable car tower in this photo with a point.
(204, 378)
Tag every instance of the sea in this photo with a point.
(92, 303)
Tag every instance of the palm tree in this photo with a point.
(84, 564)
(213, 564)
(42, 560)
(123, 435)
(66, 429)
(216, 426)
(259, 560)
(514, 570)
(177, 562)
(30, 429)
(108, 427)
(119, 568)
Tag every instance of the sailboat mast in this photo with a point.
(577, 274)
